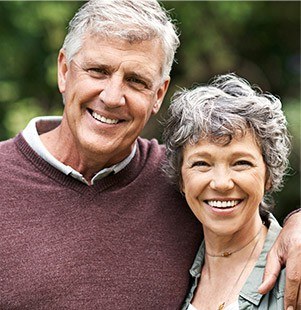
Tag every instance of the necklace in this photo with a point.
(222, 305)
(228, 253)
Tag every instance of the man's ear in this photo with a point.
(62, 69)
(161, 92)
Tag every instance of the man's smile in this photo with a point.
(103, 119)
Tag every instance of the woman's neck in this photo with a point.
(217, 243)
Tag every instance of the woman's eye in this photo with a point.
(199, 163)
(243, 163)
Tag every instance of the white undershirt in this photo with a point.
(32, 137)
(233, 306)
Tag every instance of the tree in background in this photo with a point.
(258, 40)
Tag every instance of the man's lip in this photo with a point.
(104, 119)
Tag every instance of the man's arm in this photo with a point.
(286, 251)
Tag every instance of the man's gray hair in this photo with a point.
(130, 20)
(229, 106)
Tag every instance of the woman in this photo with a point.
(227, 148)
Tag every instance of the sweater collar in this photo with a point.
(43, 124)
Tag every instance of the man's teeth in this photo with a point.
(103, 119)
(222, 204)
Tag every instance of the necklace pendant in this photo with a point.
(221, 306)
(226, 254)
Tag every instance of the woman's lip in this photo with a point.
(223, 210)
(223, 203)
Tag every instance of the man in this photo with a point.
(88, 219)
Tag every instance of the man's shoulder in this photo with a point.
(150, 154)
(151, 146)
(150, 160)
(10, 157)
(12, 152)
(7, 146)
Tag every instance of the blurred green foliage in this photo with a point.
(259, 40)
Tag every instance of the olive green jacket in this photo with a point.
(249, 298)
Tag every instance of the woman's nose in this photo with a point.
(222, 181)
(112, 93)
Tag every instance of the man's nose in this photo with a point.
(112, 93)
(222, 180)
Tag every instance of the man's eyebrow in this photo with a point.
(95, 63)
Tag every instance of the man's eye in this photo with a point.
(137, 83)
(97, 72)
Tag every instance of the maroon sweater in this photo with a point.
(126, 242)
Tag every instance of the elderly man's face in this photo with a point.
(111, 88)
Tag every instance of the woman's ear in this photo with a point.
(182, 188)
(268, 184)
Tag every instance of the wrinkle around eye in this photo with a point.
(243, 166)
(97, 73)
(201, 166)
(199, 163)
(243, 163)
(138, 82)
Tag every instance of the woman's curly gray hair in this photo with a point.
(227, 107)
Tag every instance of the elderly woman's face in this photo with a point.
(224, 185)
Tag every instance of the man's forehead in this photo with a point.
(99, 46)
(97, 41)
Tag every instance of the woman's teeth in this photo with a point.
(103, 119)
(222, 204)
